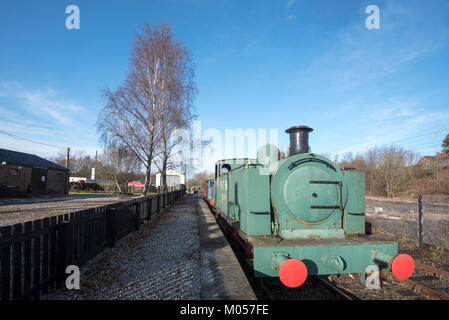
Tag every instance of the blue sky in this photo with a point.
(259, 64)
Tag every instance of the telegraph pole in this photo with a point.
(67, 163)
(67, 160)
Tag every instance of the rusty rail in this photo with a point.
(441, 273)
(415, 286)
(336, 289)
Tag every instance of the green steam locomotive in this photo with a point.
(299, 216)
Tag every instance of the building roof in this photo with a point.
(27, 159)
(169, 172)
(440, 160)
(438, 156)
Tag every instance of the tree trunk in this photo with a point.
(164, 173)
(147, 178)
(117, 184)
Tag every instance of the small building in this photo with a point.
(24, 173)
(174, 178)
(438, 161)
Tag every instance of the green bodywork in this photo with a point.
(303, 206)
(351, 255)
(243, 195)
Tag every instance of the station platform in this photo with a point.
(180, 254)
(222, 278)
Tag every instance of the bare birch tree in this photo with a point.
(135, 114)
(177, 93)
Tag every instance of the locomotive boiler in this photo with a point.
(299, 216)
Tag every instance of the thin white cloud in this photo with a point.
(385, 134)
(288, 15)
(393, 108)
(42, 115)
(389, 121)
(290, 3)
(359, 56)
(42, 102)
(48, 103)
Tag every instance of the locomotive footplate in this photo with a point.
(353, 254)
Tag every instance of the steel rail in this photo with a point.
(438, 272)
(415, 286)
(336, 289)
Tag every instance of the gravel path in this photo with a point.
(30, 210)
(160, 261)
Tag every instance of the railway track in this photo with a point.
(340, 292)
(315, 288)
(427, 283)
(438, 272)
(426, 280)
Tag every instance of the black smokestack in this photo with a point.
(299, 139)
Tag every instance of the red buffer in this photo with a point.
(403, 266)
(293, 273)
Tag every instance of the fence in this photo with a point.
(35, 254)
(425, 219)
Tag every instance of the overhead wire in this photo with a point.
(401, 140)
(30, 140)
